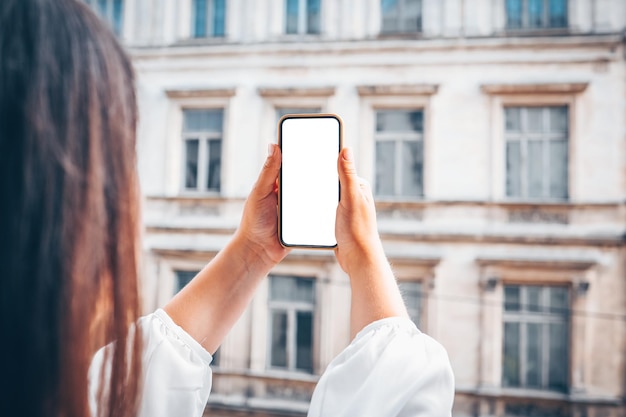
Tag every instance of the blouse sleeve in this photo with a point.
(176, 373)
(390, 369)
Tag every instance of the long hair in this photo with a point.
(69, 220)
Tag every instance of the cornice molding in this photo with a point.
(535, 88)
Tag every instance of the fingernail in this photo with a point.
(347, 154)
(270, 149)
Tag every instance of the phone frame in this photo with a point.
(280, 175)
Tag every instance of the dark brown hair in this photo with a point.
(69, 216)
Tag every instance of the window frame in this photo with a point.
(523, 318)
(203, 137)
(524, 138)
(545, 16)
(209, 22)
(390, 97)
(530, 95)
(291, 308)
(399, 138)
(302, 25)
(174, 173)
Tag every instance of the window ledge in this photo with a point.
(535, 88)
(532, 394)
(269, 374)
(200, 93)
(272, 92)
(397, 90)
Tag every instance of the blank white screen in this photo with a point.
(309, 181)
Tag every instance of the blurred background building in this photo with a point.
(494, 135)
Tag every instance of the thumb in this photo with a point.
(269, 173)
(347, 173)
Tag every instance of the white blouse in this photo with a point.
(389, 369)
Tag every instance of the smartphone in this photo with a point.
(308, 190)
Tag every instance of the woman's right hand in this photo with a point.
(356, 231)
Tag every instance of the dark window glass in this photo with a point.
(514, 14)
(292, 289)
(219, 17)
(183, 278)
(510, 365)
(292, 17)
(313, 16)
(191, 163)
(279, 339)
(215, 164)
(385, 168)
(304, 340)
(199, 15)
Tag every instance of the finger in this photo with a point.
(347, 173)
(268, 176)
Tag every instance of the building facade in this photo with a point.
(493, 133)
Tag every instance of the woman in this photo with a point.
(69, 222)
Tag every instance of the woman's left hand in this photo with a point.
(259, 223)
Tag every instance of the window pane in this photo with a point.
(390, 13)
(512, 116)
(558, 168)
(534, 119)
(411, 294)
(385, 163)
(533, 355)
(411, 169)
(215, 164)
(535, 169)
(279, 339)
(291, 17)
(292, 289)
(511, 298)
(399, 121)
(183, 278)
(535, 13)
(559, 301)
(513, 169)
(199, 18)
(557, 375)
(513, 14)
(510, 362)
(313, 16)
(558, 119)
(412, 16)
(117, 16)
(201, 120)
(558, 13)
(533, 299)
(191, 163)
(219, 17)
(304, 341)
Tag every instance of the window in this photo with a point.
(536, 152)
(112, 11)
(202, 138)
(291, 308)
(302, 16)
(399, 153)
(209, 17)
(412, 295)
(401, 16)
(536, 14)
(536, 335)
(183, 278)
